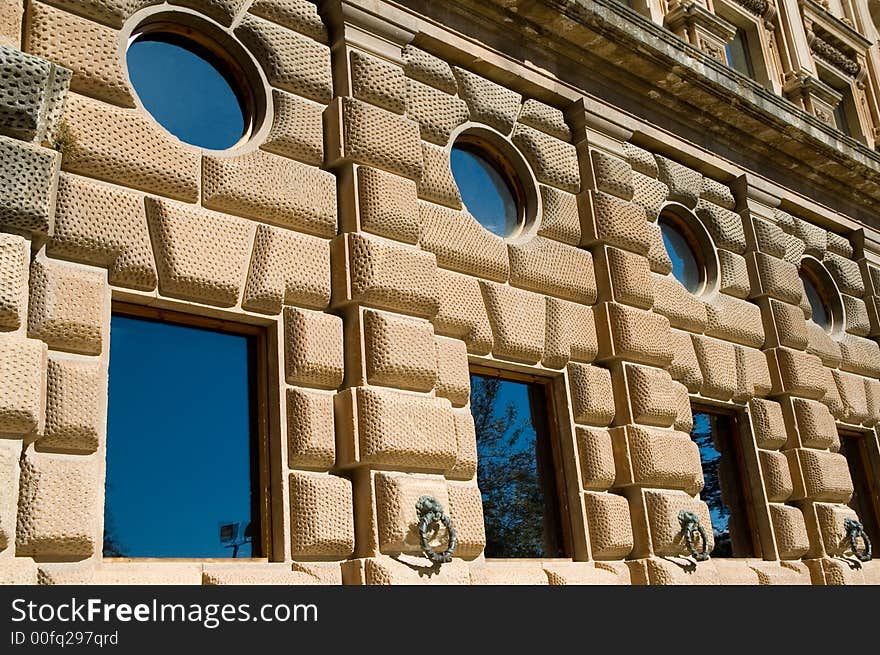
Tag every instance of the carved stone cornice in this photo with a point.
(837, 58)
(763, 9)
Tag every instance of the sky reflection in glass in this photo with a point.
(821, 316)
(484, 191)
(185, 92)
(685, 267)
(178, 440)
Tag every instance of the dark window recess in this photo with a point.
(516, 468)
(183, 446)
(717, 436)
(737, 54)
(866, 488)
(840, 118)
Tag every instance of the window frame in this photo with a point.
(263, 455)
(701, 244)
(560, 444)
(866, 441)
(760, 44)
(828, 292)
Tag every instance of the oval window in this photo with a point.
(822, 314)
(488, 188)
(687, 266)
(191, 86)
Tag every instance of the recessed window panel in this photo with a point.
(821, 313)
(716, 435)
(737, 54)
(856, 447)
(516, 471)
(486, 189)
(182, 446)
(686, 266)
(187, 89)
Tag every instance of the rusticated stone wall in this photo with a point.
(339, 228)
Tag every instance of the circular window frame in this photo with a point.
(513, 167)
(700, 241)
(829, 293)
(223, 49)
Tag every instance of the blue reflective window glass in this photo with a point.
(183, 87)
(485, 190)
(181, 447)
(685, 265)
(515, 470)
(821, 315)
(716, 437)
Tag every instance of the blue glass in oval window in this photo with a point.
(484, 190)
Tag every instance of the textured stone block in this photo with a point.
(311, 440)
(387, 428)
(733, 274)
(852, 394)
(58, 506)
(466, 512)
(68, 306)
(466, 443)
(815, 424)
(518, 319)
(781, 573)
(685, 366)
(586, 573)
(88, 49)
(832, 399)
(596, 456)
(820, 475)
(657, 255)
(795, 372)
(666, 535)
(28, 178)
(649, 193)
(821, 344)
(553, 268)
(830, 519)
(846, 273)
(270, 188)
(379, 82)
(388, 205)
(769, 237)
(321, 516)
(717, 361)
(22, 385)
(649, 457)
(790, 531)
(19, 570)
(683, 309)
(685, 185)
(290, 60)
(280, 573)
(429, 69)
(313, 348)
(752, 374)
(29, 107)
(509, 572)
(615, 222)
(287, 268)
(718, 193)
(397, 522)
(223, 11)
(554, 162)
(14, 262)
(461, 243)
(734, 320)
(632, 334)
(627, 277)
(777, 475)
(768, 425)
(560, 219)
(652, 397)
(297, 128)
(462, 312)
(550, 120)
(775, 278)
(299, 15)
(391, 571)
(387, 276)
(436, 112)
(641, 160)
(872, 396)
(436, 182)
(724, 226)
(9, 474)
(399, 352)
(612, 174)
(592, 397)
(684, 416)
(365, 134)
(570, 334)
(856, 313)
(75, 404)
(794, 249)
(200, 255)
(105, 226)
(453, 375)
(784, 325)
(609, 525)
(488, 102)
(126, 147)
(860, 355)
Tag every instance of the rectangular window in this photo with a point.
(725, 492)
(518, 461)
(840, 119)
(866, 485)
(186, 468)
(737, 53)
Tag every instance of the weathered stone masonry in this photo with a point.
(339, 228)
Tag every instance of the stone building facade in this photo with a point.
(337, 228)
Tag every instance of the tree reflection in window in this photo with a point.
(723, 491)
(515, 469)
